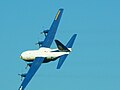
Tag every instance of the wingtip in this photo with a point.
(75, 34)
(61, 9)
(58, 67)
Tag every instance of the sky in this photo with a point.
(94, 63)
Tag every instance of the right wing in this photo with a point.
(34, 67)
(51, 34)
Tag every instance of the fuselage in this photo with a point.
(47, 53)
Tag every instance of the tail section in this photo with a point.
(61, 47)
(69, 45)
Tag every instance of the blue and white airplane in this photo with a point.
(44, 54)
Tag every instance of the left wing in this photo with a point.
(51, 34)
(35, 65)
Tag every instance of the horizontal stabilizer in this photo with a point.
(61, 47)
(61, 61)
(71, 41)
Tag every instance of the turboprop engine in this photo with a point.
(28, 64)
(45, 32)
(22, 75)
(39, 43)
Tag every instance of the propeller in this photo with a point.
(45, 32)
(22, 75)
(39, 43)
(28, 64)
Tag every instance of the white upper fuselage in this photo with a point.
(42, 52)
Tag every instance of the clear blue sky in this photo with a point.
(94, 63)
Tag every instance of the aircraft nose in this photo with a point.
(21, 56)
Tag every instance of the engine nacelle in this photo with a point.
(29, 64)
(45, 32)
(23, 74)
(39, 43)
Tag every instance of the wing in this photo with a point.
(35, 65)
(51, 34)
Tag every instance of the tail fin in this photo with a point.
(61, 47)
(69, 45)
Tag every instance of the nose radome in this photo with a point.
(21, 56)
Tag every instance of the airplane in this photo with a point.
(44, 54)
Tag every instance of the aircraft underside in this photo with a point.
(46, 60)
